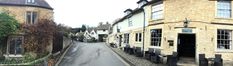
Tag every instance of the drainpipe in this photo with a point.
(144, 21)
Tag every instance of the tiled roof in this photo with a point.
(38, 3)
(104, 27)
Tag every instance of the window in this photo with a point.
(138, 37)
(156, 35)
(157, 11)
(224, 39)
(130, 23)
(15, 45)
(30, 1)
(224, 8)
(31, 17)
(126, 38)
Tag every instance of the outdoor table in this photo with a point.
(210, 61)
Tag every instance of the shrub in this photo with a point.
(80, 36)
(8, 25)
(38, 36)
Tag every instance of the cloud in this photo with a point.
(74, 13)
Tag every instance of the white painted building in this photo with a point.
(103, 31)
(129, 29)
(90, 33)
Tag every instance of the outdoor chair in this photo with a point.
(202, 60)
(172, 59)
(131, 51)
(155, 56)
(126, 48)
(218, 61)
(139, 52)
(149, 53)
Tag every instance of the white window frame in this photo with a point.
(153, 37)
(130, 22)
(221, 39)
(30, 1)
(222, 8)
(157, 11)
(138, 37)
(31, 17)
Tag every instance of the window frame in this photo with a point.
(126, 38)
(130, 22)
(157, 11)
(33, 18)
(30, 1)
(9, 46)
(217, 10)
(138, 37)
(153, 38)
(224, 40)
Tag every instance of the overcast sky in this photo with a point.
(74, 13)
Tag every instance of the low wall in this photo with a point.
(66, 42)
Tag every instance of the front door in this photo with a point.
(120, 40)
(186, 45)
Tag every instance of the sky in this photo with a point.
(74, 13)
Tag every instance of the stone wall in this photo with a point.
(203, 22)
(19, 12)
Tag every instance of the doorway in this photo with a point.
(120, 40)
(101, 37)
(186, 45)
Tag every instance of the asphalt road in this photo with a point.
(91, 54)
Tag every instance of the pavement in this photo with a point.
(133, 60)
(91, 54)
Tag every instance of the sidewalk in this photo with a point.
(133, 60)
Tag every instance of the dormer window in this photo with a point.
(30, 1)
(141, 3)
(128, 11)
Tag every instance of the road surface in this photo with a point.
(91, 54)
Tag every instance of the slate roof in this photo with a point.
(104, 27)
(38, 3)
(91, 28)
(137, 10)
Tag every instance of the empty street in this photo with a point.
(91, 54)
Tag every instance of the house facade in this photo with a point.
(189, 27)
(103, 31)
(128, 30)
(25, 12)
(90, 33)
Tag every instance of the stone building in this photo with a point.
(25, 12)
(189, 27)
